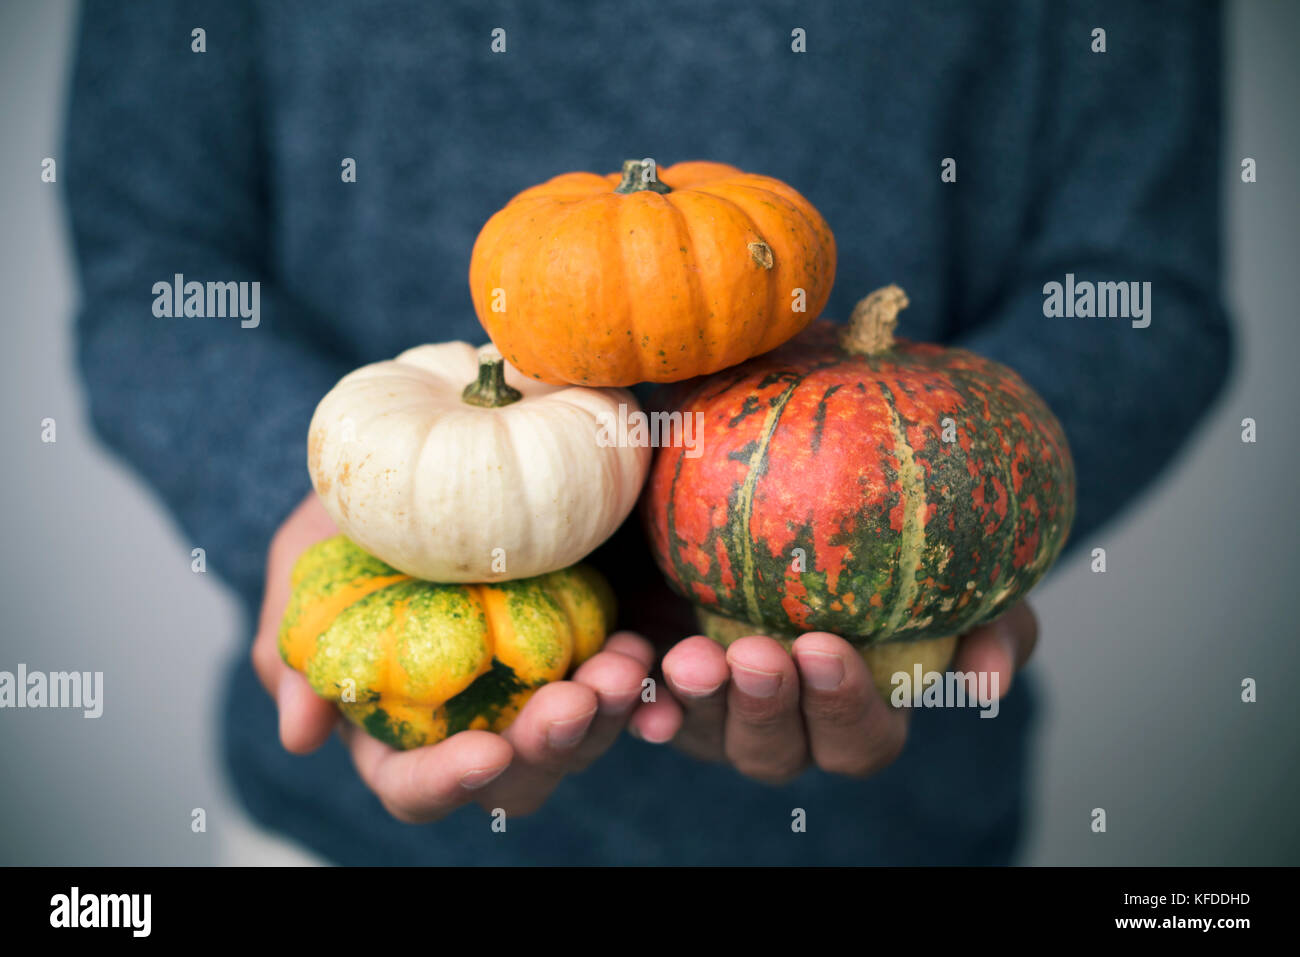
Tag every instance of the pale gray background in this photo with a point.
(1141, 666)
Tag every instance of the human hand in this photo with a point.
(771, 713)
(563, 727)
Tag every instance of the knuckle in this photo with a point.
(1031, 630)
(701, 750)
(769, 769)
(777, 774)
(839, 709)
(1031, 620)
(396, 792)
(854, 764)
(866, 755)
(701, 739)
(889, 745)
(265, 655)
(403, 814)
(763, 715)
(275, 547)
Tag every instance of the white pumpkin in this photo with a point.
(451, 491)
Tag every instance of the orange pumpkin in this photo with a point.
(649, 276)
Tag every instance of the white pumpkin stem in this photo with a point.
(490, 391)
(871, 327)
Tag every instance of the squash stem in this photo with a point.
(490, 391)
(871, 327)
(639, 176)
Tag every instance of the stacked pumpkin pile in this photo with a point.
(894, 493)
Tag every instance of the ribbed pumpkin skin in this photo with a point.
(610, 289)
(428, 660)
(437, 487)
(904, 536)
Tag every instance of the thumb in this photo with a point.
(306, 719)
(1000, 647)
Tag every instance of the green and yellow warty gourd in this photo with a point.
(413, 662)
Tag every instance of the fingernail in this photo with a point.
(692, 691)
(613, 704)
(565, 734)
(756, 684)
(640, 736)
(823, 671)
(473, 780)
(637, 734)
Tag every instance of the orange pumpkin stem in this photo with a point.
(490, 391)
(871, 327)
(639, 176)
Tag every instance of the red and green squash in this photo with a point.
(413, 662)
(891, 492)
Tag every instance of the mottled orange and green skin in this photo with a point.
(602, 288)
(422, 661)
(904, 536)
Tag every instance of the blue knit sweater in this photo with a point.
(225, 165)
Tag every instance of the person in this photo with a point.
(972, 154)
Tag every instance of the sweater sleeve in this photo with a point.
(1127, 191)
(166, 175)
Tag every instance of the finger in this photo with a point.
(267, 662)
(658, 721)
(306, 719)
(306, 525)
(999, 648)
(616, 679)
(696, 672)
(764, 734)
(545, 737)
(634, 646)
(851, 729)
(428, 783)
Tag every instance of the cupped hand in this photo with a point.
(563, 727)
(772, 713)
